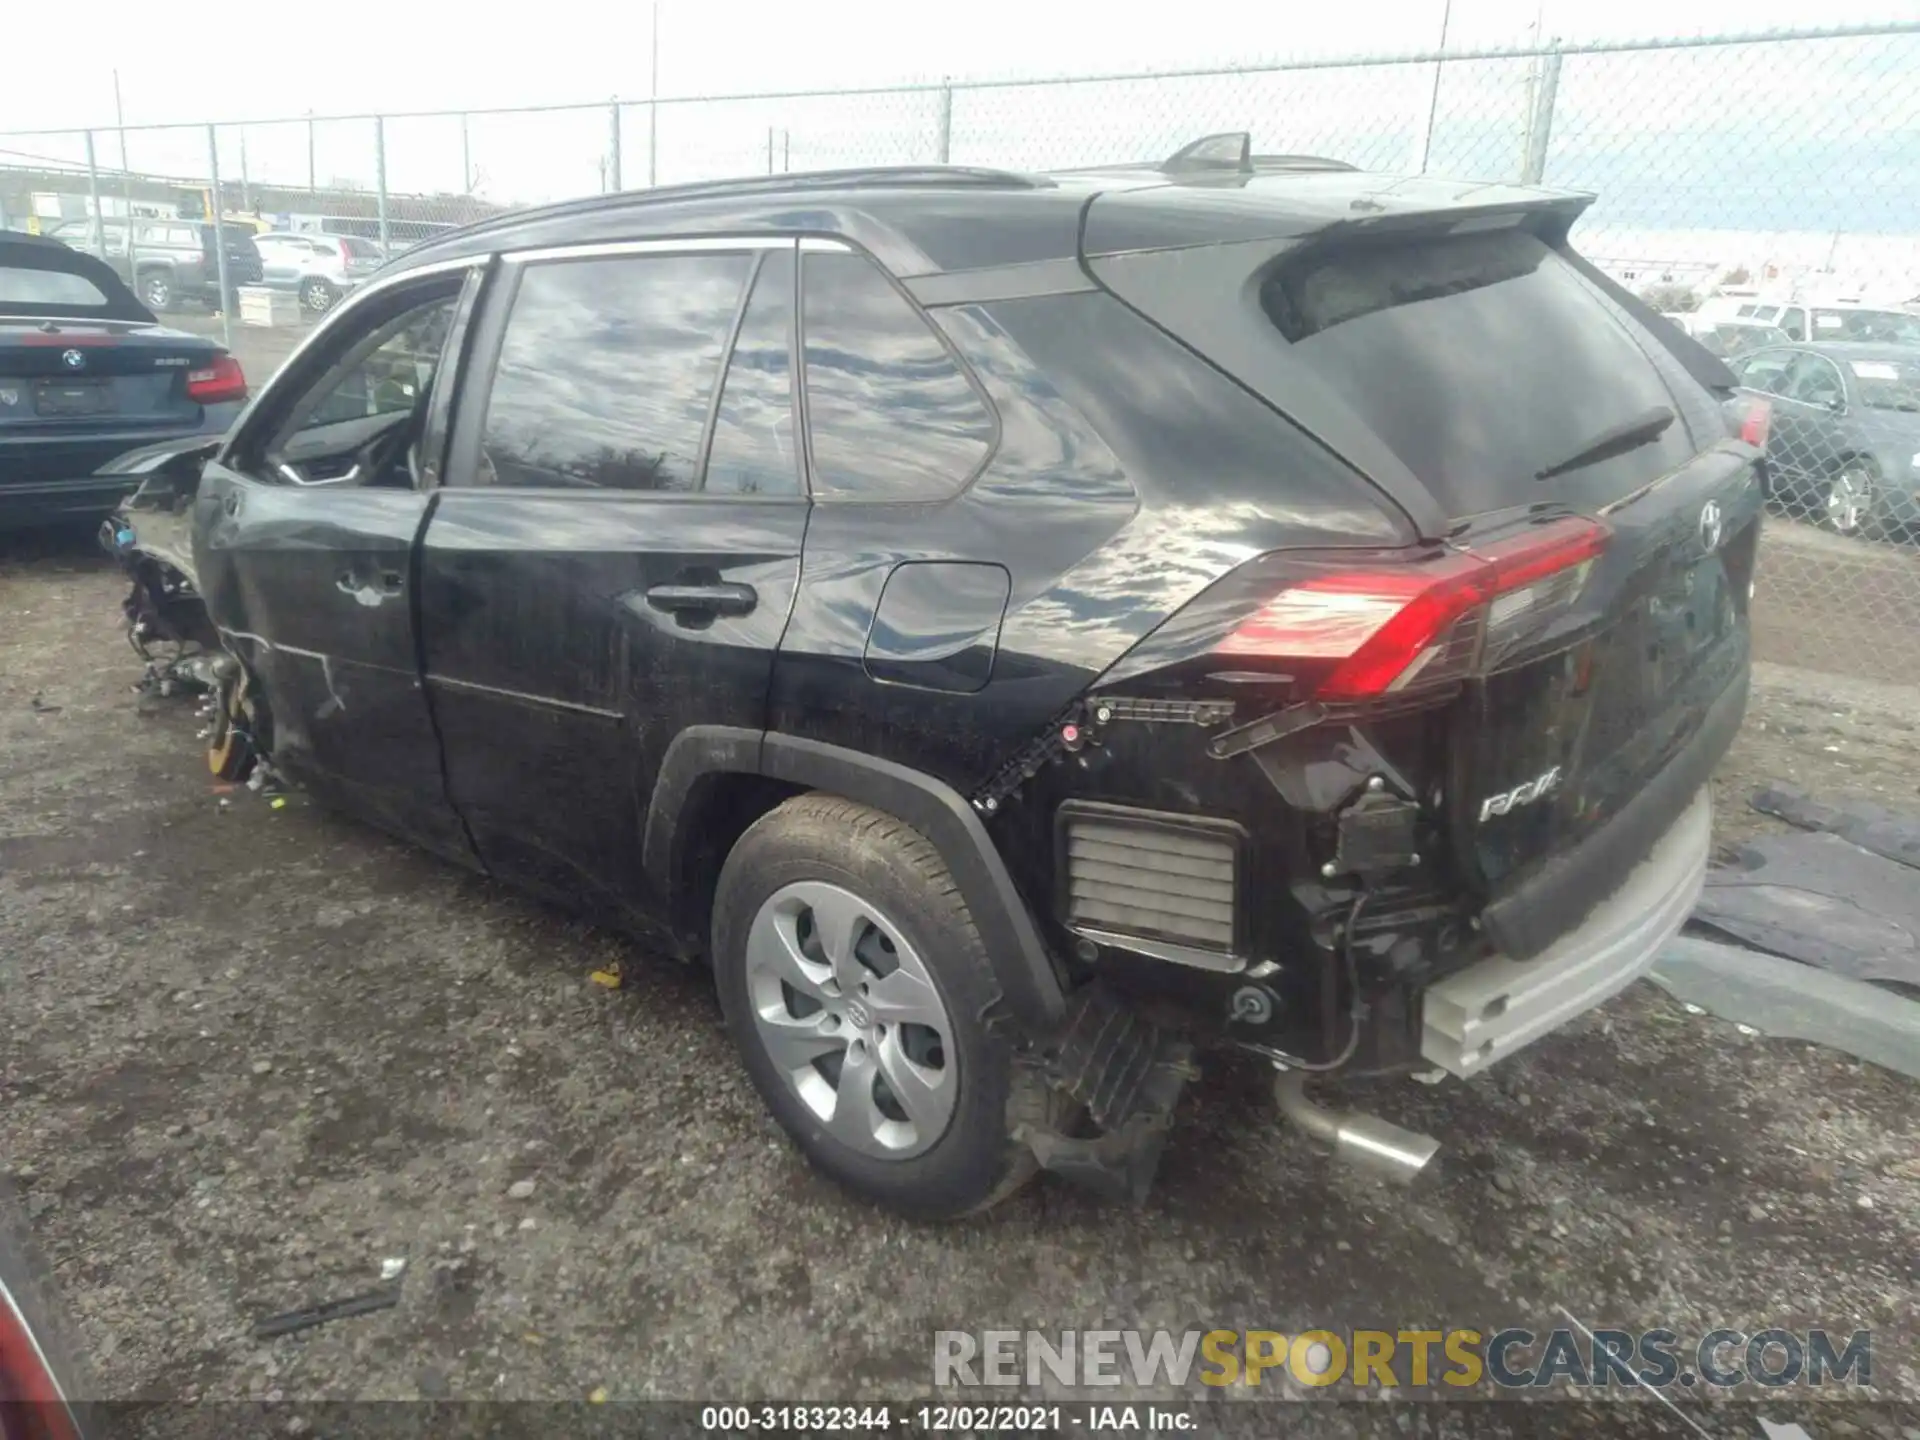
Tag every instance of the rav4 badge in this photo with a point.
(1523, 794)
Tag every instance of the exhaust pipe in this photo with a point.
(1364, 1141)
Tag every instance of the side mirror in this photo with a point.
(1836, 404)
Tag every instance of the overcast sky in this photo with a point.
(1817, 142)
(258, 61)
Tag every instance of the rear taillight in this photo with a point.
(1757, 423)
(32, 1404)
(1353, 634)
(222, 380)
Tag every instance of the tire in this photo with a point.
(820, 865)
(1847, 499)
(230, 748)
(156, 290)
(317, 297)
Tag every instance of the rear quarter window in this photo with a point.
(891, 414)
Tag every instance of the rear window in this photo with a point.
(360, 249)
(1881, 327)
(1892, 384)
(21, 286)
(1482, 360)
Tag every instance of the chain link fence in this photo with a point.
(1764, 189)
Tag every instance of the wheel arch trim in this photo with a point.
(1021, 963)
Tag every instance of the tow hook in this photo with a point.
(1364, 1141)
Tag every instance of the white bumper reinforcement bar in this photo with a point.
(1497, 1005)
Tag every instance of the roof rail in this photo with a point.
(866, 177)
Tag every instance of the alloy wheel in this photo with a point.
(1849, 501)
(851, 1018)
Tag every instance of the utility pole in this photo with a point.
(126, 184)
(1433, 101)
(120, 119)
(653, 101)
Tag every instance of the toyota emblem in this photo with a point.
(1711, 526)
(73, 359)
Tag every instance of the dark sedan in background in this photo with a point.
(87, 373)
(1844, 449)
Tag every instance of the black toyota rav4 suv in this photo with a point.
(1018, 630)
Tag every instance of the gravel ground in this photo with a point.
(252, 1052)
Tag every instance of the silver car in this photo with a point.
(318, 268)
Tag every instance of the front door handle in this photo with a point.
(722, 599)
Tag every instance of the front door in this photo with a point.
(304, 548)
(614, 553)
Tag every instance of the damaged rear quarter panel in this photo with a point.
(1128, 477)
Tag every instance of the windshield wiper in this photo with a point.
(1643, 429)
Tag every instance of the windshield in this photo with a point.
(1877, 326)
(1888, 384)
(1738, 338)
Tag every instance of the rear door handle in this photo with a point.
(721, 599)
(370, 589)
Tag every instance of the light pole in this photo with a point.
(1433, 101)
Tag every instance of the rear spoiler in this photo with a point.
(1551, 219)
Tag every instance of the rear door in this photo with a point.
(283, 259)
(1797, 444)
(304, 534)
(616, 545)
(1813, 407)
(1764, 373)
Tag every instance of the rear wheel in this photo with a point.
(156, 290)
(317, 296)
(1848, 502)
(853, 981)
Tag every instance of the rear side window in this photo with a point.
(1815, 381)
(22, 286)
(1481, 360)
(1766, 371)
(753, 451)
(891, 414)
(607, 371)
